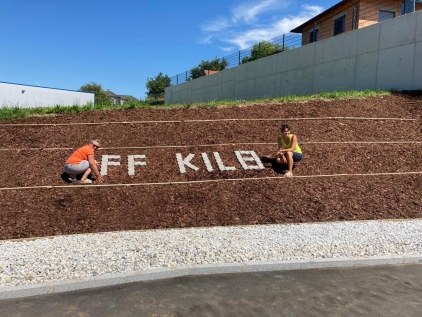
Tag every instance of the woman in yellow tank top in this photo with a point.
(288, 149)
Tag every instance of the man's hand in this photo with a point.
(99, 179)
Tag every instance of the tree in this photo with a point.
(262, 49)
(100, 97)
(158, 84)
(215, 64)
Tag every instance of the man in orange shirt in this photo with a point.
(82, 162)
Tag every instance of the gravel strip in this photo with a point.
(79, 256)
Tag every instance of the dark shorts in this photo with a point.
(297, 157)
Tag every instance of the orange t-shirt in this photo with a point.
(80, 155)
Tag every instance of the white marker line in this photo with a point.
(200, 120)
(211, 145)
(209, 181)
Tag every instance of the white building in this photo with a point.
(27, 96)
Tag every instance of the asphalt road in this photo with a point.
(363, 291)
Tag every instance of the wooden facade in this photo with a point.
(348, 15)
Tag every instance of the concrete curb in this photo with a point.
(196, 270)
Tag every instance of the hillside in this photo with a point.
(361, 161)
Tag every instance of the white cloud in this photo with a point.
(206, 40)
(313, 10)
(227, 49)
(247, 38)
(248, 12)
(216, 25)
(255, 21)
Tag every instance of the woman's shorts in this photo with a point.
(297, 157)
(76, 168)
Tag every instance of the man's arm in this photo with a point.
(94, 168)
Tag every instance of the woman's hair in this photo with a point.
(284, 127)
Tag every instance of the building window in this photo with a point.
(313, 36)
(385, 15)
(339, 25)
(113, 101)
(407, 6)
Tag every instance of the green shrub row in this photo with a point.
(10, 113)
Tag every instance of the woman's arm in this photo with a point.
(294, 143)
(280, 149)
(280, 146)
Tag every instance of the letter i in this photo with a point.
(207, 162)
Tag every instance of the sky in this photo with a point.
(119, 44)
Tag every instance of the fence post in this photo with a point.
(177, 79)
(283, 40)
(186, 76)
(239, 59)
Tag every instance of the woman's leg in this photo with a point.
(289, 156)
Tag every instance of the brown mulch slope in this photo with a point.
(33, 155)
(26, 168)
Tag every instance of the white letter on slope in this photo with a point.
(105, 162)
(221, 165)
(243, 160)
(131, 163)
(182, 162)
(207, 162)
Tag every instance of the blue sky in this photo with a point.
(119, 44)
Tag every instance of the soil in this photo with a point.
(353, 169)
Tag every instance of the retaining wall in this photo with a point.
(386, 55)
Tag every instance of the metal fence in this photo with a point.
(342, 17)
(286, 41)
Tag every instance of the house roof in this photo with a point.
(124, 97)
(109, 93)
(300, 27)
